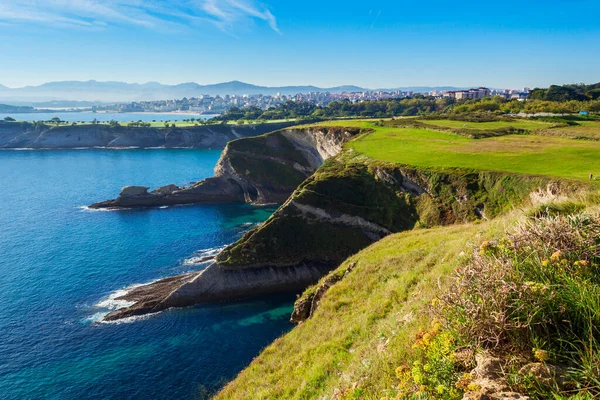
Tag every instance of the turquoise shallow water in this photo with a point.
(59, 264)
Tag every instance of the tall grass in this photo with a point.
(536, 292)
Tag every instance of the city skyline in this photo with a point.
(382, 44)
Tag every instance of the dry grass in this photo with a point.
(539, 288)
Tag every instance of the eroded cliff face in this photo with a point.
(353, 201)
(259, 170)
(37, 136)
(269, 168)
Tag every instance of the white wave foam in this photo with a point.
(112, 303)
(200, 256)
(86, 208)
(128, 320)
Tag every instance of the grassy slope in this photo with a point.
(365, 324)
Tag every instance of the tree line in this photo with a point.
(573, 92)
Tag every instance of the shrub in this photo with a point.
(535, 295)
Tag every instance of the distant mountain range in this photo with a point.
(106, 92)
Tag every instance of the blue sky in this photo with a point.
(284, 42)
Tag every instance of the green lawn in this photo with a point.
(527, 154)
(519, 124)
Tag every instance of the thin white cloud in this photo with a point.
(151, 14)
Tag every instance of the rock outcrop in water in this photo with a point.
(41, 136)
(259, 170)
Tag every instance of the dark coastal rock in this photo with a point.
(166, 190)
(305, 307)
(130, 191)
(212, 190)
(215, 284)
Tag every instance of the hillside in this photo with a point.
(367, 326)
(366, 317)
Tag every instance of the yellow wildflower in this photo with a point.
(464, 381)
(473, 387)
(485, 246)
(545, 263)
(541, 355)
(556, 256)
(401, 371)
(426, 339)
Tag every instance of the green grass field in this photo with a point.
(527, 154)
(519, 124)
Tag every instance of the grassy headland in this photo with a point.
(399, 321)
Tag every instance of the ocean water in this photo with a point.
(60, 264)
(88, 116)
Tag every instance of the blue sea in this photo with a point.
(61, 265)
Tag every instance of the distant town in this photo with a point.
(207, 104)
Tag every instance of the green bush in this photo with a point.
(536, 296)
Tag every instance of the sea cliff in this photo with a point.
(43, 136)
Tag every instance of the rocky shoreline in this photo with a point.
(215, 284)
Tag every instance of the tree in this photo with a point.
(55, 120)
(9, 119)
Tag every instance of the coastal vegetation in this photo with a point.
(524, 154)
(419, 309)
